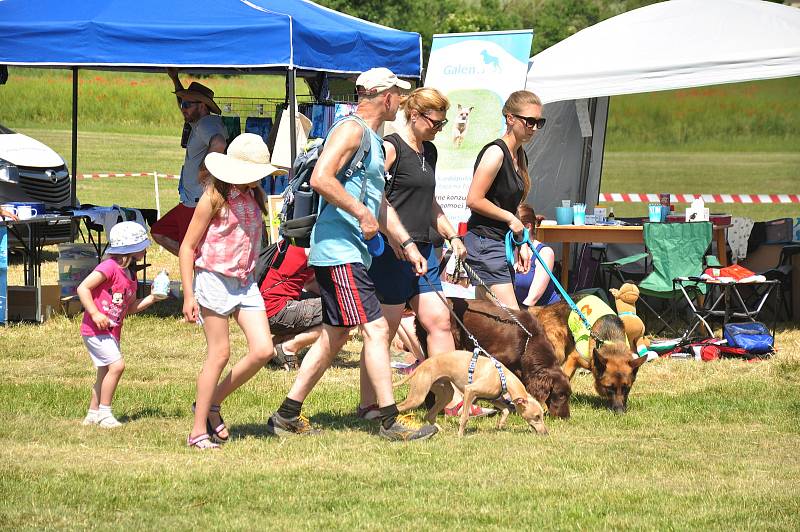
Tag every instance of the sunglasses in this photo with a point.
(185, 104)
(435, 124)
(532, 122)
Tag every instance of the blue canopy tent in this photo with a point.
(221, 36)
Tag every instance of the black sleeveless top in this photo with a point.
(505, 192)
(412, 186)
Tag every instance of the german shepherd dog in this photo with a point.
(612, 363)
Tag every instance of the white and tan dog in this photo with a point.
(460, 125)
(436, 373)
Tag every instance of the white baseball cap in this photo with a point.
(377, 80)
(127, 237)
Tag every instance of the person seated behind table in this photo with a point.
(535, 288)
(292, 313)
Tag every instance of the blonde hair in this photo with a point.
(424, 100)
(124, 261)
(219, 191)
(514, 104)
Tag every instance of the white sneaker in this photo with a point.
(108, 422)
(90, 419)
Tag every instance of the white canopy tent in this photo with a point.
(670, 45)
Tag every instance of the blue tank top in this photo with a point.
(523, 281)
(336, 237)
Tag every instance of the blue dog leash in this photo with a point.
(510, 243)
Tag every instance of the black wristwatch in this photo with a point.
(406, 243)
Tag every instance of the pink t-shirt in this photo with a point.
(112, 298)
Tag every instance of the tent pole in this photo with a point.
(73, 187)
(291, 78)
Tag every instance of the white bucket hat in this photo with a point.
(247, 161)
(127, 237)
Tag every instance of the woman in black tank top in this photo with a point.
(500, 183)
(411, 164)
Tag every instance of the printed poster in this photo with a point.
(477, 72)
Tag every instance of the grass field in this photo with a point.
(704, 445)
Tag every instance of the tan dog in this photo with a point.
(460, 125)
(625, 300)
(435, 374)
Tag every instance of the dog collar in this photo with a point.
(626, 313)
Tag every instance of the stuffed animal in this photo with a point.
(625, 299)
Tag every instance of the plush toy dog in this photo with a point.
(625, 299)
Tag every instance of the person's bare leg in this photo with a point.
(434, 316)
(110, 381)
(392, 315)
(504, 292)
(317, 360)
(376, 360)
(408, 334)
(173, 246)
(94, 403)
(216, 329)
(304, 339)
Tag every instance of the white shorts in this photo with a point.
(224, 295)
(103, 349)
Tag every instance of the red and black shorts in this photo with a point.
(348, 295)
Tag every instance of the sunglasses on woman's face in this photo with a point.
(185, 104)
(532, 122)
(435, 124)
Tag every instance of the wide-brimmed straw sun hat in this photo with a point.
(199, 93)
(127, 237)
(247, 161)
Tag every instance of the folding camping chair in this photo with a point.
(675, 250)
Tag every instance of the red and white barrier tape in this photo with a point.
(127, 174)
(707, 198)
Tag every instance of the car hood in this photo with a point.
(21, 150)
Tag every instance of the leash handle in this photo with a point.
(560, 288)
(511, 243)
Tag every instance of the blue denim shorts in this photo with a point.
(488, 258)
(396, 281)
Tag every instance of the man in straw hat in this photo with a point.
(340, 256)
(204, 133)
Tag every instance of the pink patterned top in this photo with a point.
(233, 238)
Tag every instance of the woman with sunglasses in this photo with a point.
(500, 183)
(411, 182)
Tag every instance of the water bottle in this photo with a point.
(611, 216)
(375, 245)
(160, 288)
(303, 201)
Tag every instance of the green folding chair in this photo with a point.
(675, 250)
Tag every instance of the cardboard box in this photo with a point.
(21, 303)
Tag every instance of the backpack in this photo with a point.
(301, 204)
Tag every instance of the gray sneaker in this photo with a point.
(403, 430)
(277, 425)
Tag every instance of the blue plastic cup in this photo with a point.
(564, 215)
(655, 212)
(664, 212)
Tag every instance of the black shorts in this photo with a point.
(297, 316)
(348, 295)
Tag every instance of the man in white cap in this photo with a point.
(341, 258)
(203, 133)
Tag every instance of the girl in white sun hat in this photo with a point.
(217, 258)
(108, 294)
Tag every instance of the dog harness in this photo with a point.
(474, 362)
(593, 309)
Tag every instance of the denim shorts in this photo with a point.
(396, 281)
(224, 295)
(488, 258)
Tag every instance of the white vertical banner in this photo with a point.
(477, 72)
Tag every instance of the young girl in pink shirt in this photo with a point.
(217, 258)
(108, 294)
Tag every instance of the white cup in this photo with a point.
(25, 212)
(7, 207)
